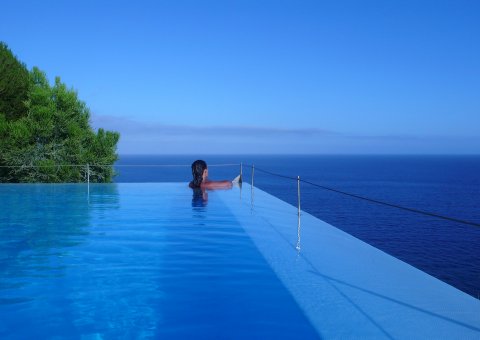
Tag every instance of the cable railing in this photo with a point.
(86, 172)
(113, 165)
(364, 198)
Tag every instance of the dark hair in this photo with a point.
(197, 172)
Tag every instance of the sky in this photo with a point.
(273, 77)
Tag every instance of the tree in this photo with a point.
(14, 84)
(14, 87)
(55, 134)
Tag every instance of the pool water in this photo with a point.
(158, 260)
(134, 261)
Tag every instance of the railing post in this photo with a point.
(253, 173)
(299, 213)
(88, 182)
(241, 171)
(251, 188)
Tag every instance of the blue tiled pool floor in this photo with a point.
(160, 261)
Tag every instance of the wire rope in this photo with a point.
(371, 200)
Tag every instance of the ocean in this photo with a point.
(445, 185)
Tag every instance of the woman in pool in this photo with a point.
(200, 178)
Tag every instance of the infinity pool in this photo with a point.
(113, 261)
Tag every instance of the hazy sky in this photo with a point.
(264, 76)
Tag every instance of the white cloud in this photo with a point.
(134, 127)
(138, 137)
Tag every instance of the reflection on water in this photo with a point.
(199, 198)
(34, 228)
(134, 261)
(41, 226)
(34, 225)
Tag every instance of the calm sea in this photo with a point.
(446, 185)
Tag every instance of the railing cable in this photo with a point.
(114, 165)
(271, 173)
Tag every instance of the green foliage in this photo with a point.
(14, 84)
(55, 132)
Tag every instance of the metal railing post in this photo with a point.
(88, 182)
(253, 173)
(88, 174)
(299, 213)
(251, 188)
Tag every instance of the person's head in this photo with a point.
(199, 172)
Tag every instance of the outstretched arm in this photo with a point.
(217, 185)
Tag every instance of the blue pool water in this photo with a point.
(157, 260)
(134, 261)
(448, 185)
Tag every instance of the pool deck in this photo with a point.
(346, 287)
